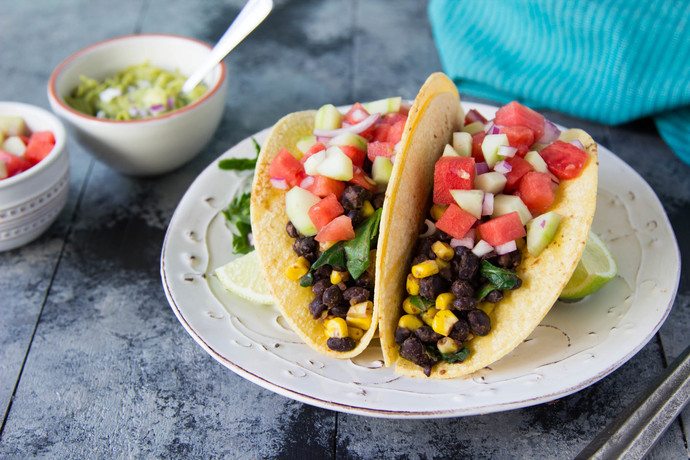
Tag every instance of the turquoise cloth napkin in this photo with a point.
(610, 61)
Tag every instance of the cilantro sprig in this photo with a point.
(240, 164)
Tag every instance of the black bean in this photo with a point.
(341, 343)
(446, 273)
(323, 273)
(355, 295)
(460, 331)
(427, 335)
(365, 280)
(339, 310)
(320, 286)
(465, 264)
(440, 235)
(401, 334)
(332, 296)
(465, 303)
(342, 286)
(291, 230)
(413, 349)
(510, 260)
(480, 323)
(424, 247)
(494, 296)
(462, 288)
(377, 201)
(354, 197)
(306, 247)
(418, 259)
(355, 216)
(316, 307)
(431, 286)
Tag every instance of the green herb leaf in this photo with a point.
(357, 249)
(484, 291)
(240, 164)
(307, 280)
(237, 214)
(421, 303)
(240, 240)
(501, 278)
(334, 256)
(457, 357)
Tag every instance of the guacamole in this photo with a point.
(139, 91)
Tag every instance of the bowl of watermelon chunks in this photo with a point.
(34, 172)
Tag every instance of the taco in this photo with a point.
(466, 289)
(316, 201)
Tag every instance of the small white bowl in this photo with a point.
(154, 145)
(30, 201)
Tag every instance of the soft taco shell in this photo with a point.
(543, 277)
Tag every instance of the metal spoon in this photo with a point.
(253, 13)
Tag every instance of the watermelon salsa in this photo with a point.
(20, 149)
(335, 182)
(493, 186)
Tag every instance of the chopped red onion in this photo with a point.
(507, 151)
(578, 144)
(495, 129)
(171, 103)
(482, 248)
(322, 139)
(473, 116)
(356, 129)
(505, 248)
(307, 182)
(488, 127)
(430, 228)
(462, 243)
(488, 204)
(502, 167)
(481, 167)
(551, 133)
(279, 183)
(156, 108)
(250, 239)
(358, 115)
(542, 223)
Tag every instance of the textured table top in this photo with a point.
(93, 362)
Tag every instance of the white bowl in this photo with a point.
(149, 146)
(30, 201)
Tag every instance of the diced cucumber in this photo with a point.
(449, 151)
(304, 144)
(491, 182)
(355, 140)
(328, 117)
(297, 204)
(490, 147)
(505, 204)
(383, 106)
(541, 230)
(473, 127)
(12, 126)
(336, 165)
(311, 166)
(381, 170)
(462, 143)
(14, 145)
(536, 161)
(469, 200)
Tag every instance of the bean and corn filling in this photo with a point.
(445, 286)
(342, 302)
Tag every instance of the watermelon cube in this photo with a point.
(455, 221)
(516, 114)
(520, 168)
(536, 192)
(503, 229)
(452, 173)
(564, 160)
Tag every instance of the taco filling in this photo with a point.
(493, 189)
(334, 183)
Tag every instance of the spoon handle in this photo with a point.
(251, 16)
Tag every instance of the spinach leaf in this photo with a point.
(237, 214)
(457, 357)
(334, 256)
(484, 291)
(240, 164)
(501, 278)
(357, 249)
(421, 303)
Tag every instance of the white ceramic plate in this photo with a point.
(576, 344)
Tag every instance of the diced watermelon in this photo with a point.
(356, 155)
(319, 146)
(339, 229)
(285, 166)
(359, 177)
(477, 139)
(324, 186)
(393, 118)
(14, 164)
(564, 160)
(516, 114)
(455, 221)
(43, 136)
(520, 168)
(536, 192)
(452, 173)
(381, 133)
(380, 149)
(325, 211)
(356, 114)
(473, 116)
(396, 131)
(520, 137)
(501, 230)
(37, 150)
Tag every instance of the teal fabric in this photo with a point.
(610, 61)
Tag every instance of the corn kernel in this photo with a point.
(355, 333)
(297, 269)
(412, 285)
(443, 321)
(441, 264)
(428, 316)
(437, 211)
(337, 277)
(447, 345)
(336, 327)
(411, 322)
(424, 269)
(409, 308)
(367, 209)
(359, 315)
(443, 250)
(444, 301)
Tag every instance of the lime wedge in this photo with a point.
(593, 271)
(243, 277)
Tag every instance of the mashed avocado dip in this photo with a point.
(139, 91)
